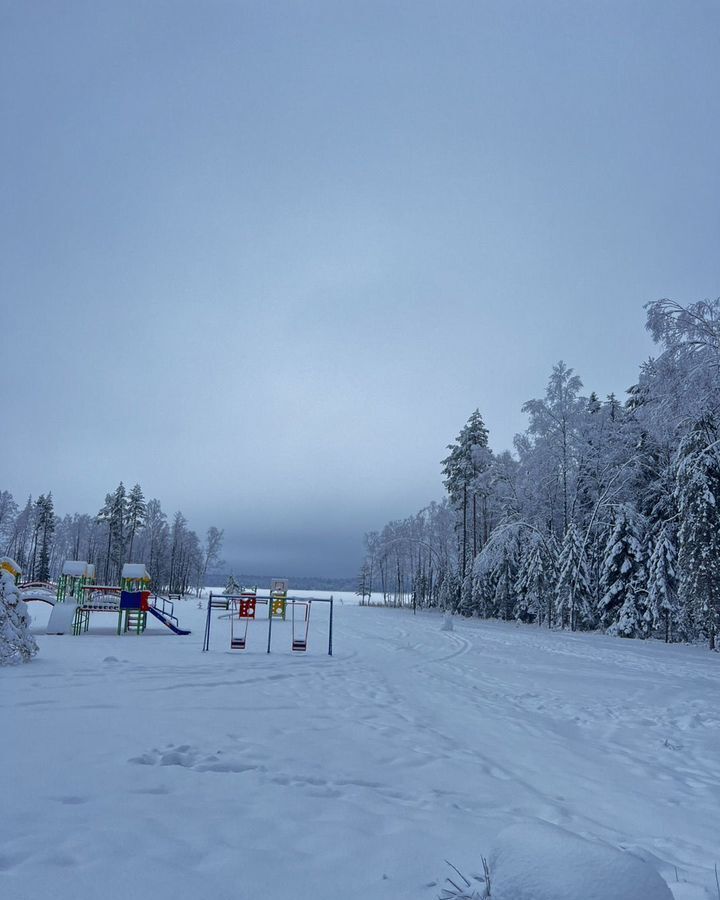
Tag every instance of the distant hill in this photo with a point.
(298, 582)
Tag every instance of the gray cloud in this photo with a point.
(265, 259)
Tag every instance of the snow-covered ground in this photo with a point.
(141, 767)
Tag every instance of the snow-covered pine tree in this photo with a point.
(113, 517)
(662, 601)
(623, 603)
(17, 645)
(232, 587)
(136, 513)
(485, 586)
(573, 596)
(534, 584)
(468, 458)
(468, 604)
(448, 596)
(46, 522)
(506, 574)
(118, 519)
(698, 496)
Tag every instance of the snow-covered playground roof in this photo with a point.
(75, 567)
(135, 571)
(10, 566)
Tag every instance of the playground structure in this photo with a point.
(41, 591)
(73, 578)
(278, 598)
(76, 597)
(242, 608)
(132, 609)
(9, 565)
(134, 577)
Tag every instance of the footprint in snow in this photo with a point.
(187, 757)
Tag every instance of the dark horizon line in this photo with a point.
(257, 579)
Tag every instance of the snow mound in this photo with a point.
(543, 862)
(17, 645)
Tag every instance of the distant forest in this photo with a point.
(606, 515)
(296, 582)
(127, 528)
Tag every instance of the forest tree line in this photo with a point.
(126, 528)
(606, 515)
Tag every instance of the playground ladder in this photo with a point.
(135, 620)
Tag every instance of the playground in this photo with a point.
(142, 764)
(76, 599)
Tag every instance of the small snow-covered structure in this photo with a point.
(9, 565)
(539, 861)
(447, 622)
(17, 645)
(75, 574)
(134, 577)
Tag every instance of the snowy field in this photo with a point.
(140, 767)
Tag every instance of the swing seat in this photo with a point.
(299, 644)
(237, 643)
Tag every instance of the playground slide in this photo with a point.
(61, 618)
(166, 621)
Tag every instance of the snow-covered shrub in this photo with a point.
(17, 645)
(540, 861)
(447, 623)
(232, 587)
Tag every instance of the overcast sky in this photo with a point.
(266, 258)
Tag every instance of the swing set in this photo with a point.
(242, 609)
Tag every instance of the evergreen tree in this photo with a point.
(662, 583)
(622, 606)
(573, 595)
(17, 645)
(448, 596)
(118, 520)
(136, 513)
(698, 496)
(232, 587)
(505, 575)
(468, 600)
(103, 518)
(46, 528)
(534, 584)
(112, 516)
(467, 459)
(8, 516)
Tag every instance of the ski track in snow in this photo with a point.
(162, 772)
